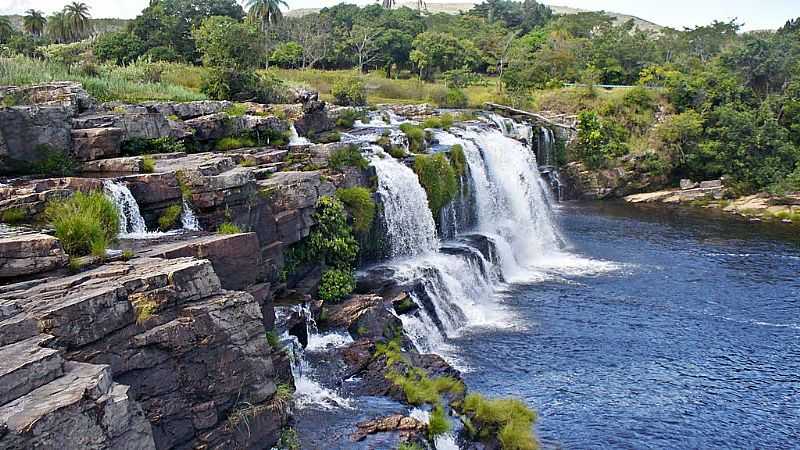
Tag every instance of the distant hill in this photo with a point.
(100, 25)
(455, 8)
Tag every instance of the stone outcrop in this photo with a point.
(29, 134)
(32, 196)
(29, 254)
(177, 345)
(579, 182)
(66, 94)
(408, 427)
(713, 190)
(135, 125)
(96, 143)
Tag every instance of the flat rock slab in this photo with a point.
(28, 254)
(25, 366)
(81, 409)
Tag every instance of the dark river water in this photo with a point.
(693, 342)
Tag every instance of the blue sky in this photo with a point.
(757, 14)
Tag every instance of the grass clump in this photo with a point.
(144, 310)
(458, 160)
(360, 204)
(128, 255)
(510, 421)
(13, 216)
(228, 228)
(419, 389)
(289, 440)
(409, 446)
(348, 156)
(234, 142)
(84, 223)
(347, 118)
(336, 285)
(417, 138)
(273, 339)
(139, 146)
(148, 164)
(329, 138)
(438, 424)
(438, 177)
(169, 218)
(444, 122)
(236, 110)
(349, 92)
(53, 162)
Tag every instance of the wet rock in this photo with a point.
(154, 192)
(315, 118)
(28, 254)
(96, 143)
(408, 427)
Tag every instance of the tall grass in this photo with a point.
(128, 84)
(386, 90)
(84, 223)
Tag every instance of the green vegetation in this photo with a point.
(438, 177)
(273, 339)
(509, 420)
(144, 308)
(228, 228)
(336, 285)
(170, 217)
(417, 138)
(128, 254)
(347, 118)
(138, 146)
(438, 424)
(234, 142)
(349, 92)
(444, 122)
(52, 162)
(409, 446)
(236, 110)
(148, 164)
(84, 223)
(289, 440)
(348, 156)
(360, 205)
(458, 160)
(13, 216)
(420, 389)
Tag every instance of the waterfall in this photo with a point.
(409, 222)
(295, 140)
(308, 391)
(130, 219)
(188, 219)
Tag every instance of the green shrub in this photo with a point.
(148, 164)
(349, 92)
(444, 122)
(599, 140)
(273, 339)
(289, 440)
(228, 228)
(329, 138)
(241, 85)
(359, 202)
(458, 160)
(438, 424)
(138, 146)
(451, 98)
(348, 117)
(509, 420)
(170, 217)
(84, 223)
(14, 216)
(234, 142)
(416, 137)
(336, 285)
(348, 156)
(236, 110)
(438, 178)
(127, 254)
(409, 446)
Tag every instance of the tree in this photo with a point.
(58, 29)
(288, 55)
(265, 12)
(77, 20)
(121, 47)
(6, 30)
(442, 51)
(364, 42)
(34, 22)
(226, 43)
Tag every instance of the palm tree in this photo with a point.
(77, 14)
(6, 30)
(58, 28)
(34, 22)
(265, 12)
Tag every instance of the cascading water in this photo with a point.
(131, 221)
(188, 219)
(295, 140)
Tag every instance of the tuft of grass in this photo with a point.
(359, 202)
(13, 216)
(236, 110)
(419, 389)
(444, 122)
(273, 340)
(458, 160)
(169, 218)
(438, 178)
(128, 255)
(228, 228)
(148, 164)
(144, 309)
(84, 223)
(409, 446)
(438, 424)
(347, 118)
(234, 142)
(509, 420)
(348, 156)
(329, 138)
(289, 440)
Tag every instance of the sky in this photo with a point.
(756, 14)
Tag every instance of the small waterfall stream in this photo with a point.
(188, 219)
(131, 221)
(295, 140)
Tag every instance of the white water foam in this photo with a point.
(295, 140)
(308, 391)
(188, 219)
(320, 342)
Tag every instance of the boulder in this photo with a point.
(688, 184)
(135, 125)
(28, 254)
(30, 134)
(189, 110)
(96, 143)
(66, 94)
(27, 365)
(408, 427)
(127, 164)
(315, 119)
(32, 196)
